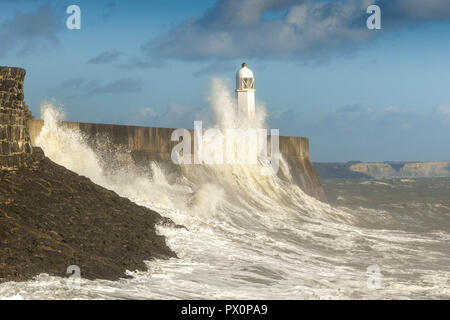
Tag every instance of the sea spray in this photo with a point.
(66, 146)
(248, 236)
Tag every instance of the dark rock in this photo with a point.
(51, 218)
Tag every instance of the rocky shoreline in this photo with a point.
(51, 218)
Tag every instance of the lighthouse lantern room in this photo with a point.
(245, 91)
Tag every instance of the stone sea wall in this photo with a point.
(15, 143)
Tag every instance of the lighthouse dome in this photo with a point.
(244, 72)
(244, 79)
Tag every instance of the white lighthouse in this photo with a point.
(245, 91)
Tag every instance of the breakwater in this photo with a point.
(147, 144)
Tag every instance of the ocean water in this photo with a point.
(253, 236)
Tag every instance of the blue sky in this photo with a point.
(359, 94)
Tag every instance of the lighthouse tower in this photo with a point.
(245, 91)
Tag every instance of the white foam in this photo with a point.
(249, 236)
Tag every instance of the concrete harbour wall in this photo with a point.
(154, 144)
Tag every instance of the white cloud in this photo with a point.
(443, 112)
(123, 85)
(174, 116)
(24, 32)
(147, 112)
(306, 29)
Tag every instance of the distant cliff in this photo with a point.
(337, 170)
(384, 170)
(403, 170)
